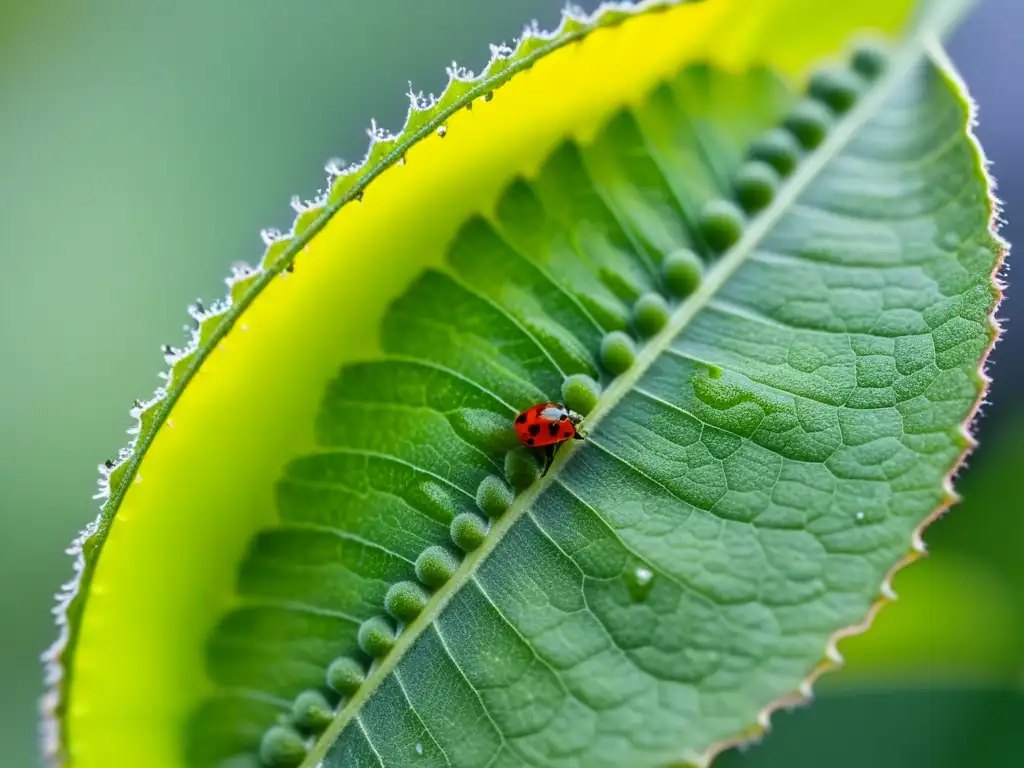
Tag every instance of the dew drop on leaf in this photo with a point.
(270, 236)
(639, 582)
(419, 749)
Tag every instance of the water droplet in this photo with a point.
(501, 51)
(442, 131)
(270, 236)
(860, 517)
(378, 134)
(419, 749)
(419, 101)
(639, 582)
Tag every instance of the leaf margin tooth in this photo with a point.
(832, 659)
(220, 316)
(245, 284)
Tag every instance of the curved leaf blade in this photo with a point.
(766, 506)
(746, 488)
(565, 321)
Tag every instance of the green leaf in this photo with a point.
(784, 301)
(960, 614)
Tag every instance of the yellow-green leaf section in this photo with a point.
(161, 566)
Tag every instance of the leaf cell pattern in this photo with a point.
(766, 463)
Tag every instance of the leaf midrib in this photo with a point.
(808, 169)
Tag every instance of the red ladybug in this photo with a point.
(547, 426)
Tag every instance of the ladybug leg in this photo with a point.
(549, 456)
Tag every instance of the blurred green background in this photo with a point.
(143, 146)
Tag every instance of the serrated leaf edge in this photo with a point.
(924, 46)
(347, 183)
(425, 115)
(833, 658)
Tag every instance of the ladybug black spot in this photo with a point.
(521, 418)
(554, 429)
(529, 441)
(534, 429)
